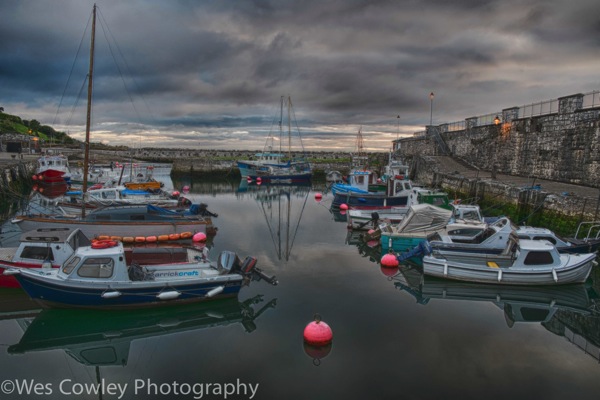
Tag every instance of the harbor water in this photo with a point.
(395, 334)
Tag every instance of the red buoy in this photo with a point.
(199, 237)
(389, 261)
(388, 271)
(318, 333)
(343, 206)
(318, 196)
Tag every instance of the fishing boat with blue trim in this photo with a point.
(101, 276)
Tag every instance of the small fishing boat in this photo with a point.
(369, 218)
(531, 262)
(101, 276)
(564, 245)
(124, 221)
(52, 168)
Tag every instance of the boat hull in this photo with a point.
(572, 273)
(362, 200)
(59, 294)
(118, 228)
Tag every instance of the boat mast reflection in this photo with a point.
(282, 207)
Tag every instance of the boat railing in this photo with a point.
(591, 226)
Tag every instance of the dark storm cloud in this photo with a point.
(216, 69)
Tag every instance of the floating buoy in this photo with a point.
(389, 261)
(116, 238)
(343, 206)
(199, 237)
(103, 237)
(163, 238)
(186, 189)
(318, 333)
(373, 243)
(35, 187)
(140, 239)
(259, 179)
(318, 196)
(128, 239)
(174, 236)
(249, 179)
(151, 239)
(388, 271)
(34, 177)
(185, 235)
(175, 193)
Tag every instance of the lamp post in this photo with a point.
(431, 95)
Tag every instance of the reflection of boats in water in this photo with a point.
(370, 249)
(509, 298)
(570, 311)
(282, 207)
(102, 338)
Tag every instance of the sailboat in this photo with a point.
(130, 221)
(293, 170)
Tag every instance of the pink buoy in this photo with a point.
(318, 196)
(186, 189)
(175, 193)
(258, 179)
(318, 333)
(343, 206)
(389, 261)
(249, 179)
(387, 271)
(199, 237)
(34, 177)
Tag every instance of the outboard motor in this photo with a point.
(228, 261)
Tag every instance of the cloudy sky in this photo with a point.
(210, 74)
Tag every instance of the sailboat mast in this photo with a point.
(89, 112)
(280, 122)
(289, 128)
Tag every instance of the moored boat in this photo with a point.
(532, 262)
(100, 276)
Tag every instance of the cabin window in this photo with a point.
(96, 268)
(38, 253)
(538, 258)
(70, 265)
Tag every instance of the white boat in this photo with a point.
(531, 262)
(100, 276)
(53, 167)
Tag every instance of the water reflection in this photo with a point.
(103, 338)
(571, 311)
(282, 207)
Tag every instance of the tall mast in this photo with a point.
(89, 113)
(289, 110)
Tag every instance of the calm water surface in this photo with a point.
(395, 337)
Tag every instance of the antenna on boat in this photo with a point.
(89, 113)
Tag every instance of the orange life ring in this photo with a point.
(103, 244)
(186, 235)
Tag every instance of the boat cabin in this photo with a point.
(49, 245)
(533, 233)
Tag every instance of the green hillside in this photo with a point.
(14, 124)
